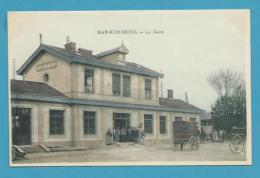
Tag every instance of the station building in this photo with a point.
(71, 97)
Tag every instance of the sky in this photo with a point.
(187, 47)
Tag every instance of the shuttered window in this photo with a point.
(89, 123)
(148, 88)
(116, 79)
(56, 122)
(162, 124)
(89, 80)
(126, 85)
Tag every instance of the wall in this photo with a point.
(74, 134)
(103, 86)
(69, 79)
(58, 71)
(40, 122)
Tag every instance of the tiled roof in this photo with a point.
(134, 65)
(35, 88)
(178, 104)
(76, 57)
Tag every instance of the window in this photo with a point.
(121, 115)
(148, 124)
(162, 124)
(56, 122)
(148, 88)
(89, 123)
(178, 119)
(116, 79)
(126, 85)
(121, 120)
(46, 77)
(89, 80)
(192, 119)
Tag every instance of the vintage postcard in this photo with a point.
(112, 88)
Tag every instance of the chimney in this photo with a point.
(70, 46)
(186, 97)
(170, 94)
(84, 52)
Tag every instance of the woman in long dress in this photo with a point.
(109, 137)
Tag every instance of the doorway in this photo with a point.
(21, 126)
(121, 125)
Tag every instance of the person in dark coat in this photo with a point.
(135, 135)
(128, 133)
(132, 134)
(203, 136)
(123, 134)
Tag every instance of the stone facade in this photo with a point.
(73, 123)
(68, 78)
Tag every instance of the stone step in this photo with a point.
(33, 148)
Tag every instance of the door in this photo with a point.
(21, 126)
(121, 121)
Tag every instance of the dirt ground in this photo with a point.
(133, 153)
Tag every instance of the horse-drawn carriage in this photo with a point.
(237, 141)
(186, 133)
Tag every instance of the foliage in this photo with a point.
(229, 111)
(230, 108)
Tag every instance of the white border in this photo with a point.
(161, 163)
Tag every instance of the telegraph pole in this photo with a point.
(40, 36)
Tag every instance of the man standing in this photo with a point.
(132, 134)
(123, 133)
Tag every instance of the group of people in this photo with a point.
(131, 134)
(215, 136)
(218, 136)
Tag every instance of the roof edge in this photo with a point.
(75, 59)
(41, 48)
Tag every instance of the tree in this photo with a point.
(229, 111)
(226, 82)
(230, 107)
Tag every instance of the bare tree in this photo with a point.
(226, 82)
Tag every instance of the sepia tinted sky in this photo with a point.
(193, 43)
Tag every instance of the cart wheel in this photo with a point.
(192, 142)
(236, 145)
